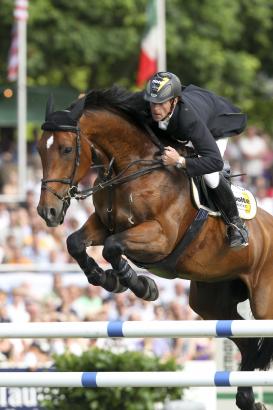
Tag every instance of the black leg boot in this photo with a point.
(225, 201)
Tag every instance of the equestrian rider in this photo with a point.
(206, 120)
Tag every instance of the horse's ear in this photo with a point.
(77, 109)
(49, 106)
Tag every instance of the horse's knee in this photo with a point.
(74, 244)
(112, 249)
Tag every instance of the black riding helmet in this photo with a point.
(162, 87)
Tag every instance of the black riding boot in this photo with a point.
(224, 199)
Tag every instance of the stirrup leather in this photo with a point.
(241, 239)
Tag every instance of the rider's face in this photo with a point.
(161, 111)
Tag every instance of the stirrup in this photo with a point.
(241, 240)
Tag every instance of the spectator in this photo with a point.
(254, 149)
(200, 349)
(4, 219)
(64, 309)
(16, 310)
(87, 301)
(264, 200)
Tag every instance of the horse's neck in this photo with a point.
(117, 137)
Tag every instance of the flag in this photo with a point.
(148, 60)
(20, 13)
(13, 55)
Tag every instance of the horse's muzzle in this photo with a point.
(52, 216)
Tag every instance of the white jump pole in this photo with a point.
(134, 379)
(132, 329)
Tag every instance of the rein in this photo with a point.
(120, 178)
(66, 181)
(107, 181)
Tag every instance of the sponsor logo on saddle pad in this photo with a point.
(246, 203)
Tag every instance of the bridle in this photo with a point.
(67, 181)
(107, 180)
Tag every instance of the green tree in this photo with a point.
(224, 45)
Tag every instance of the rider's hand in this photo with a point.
(170, 156)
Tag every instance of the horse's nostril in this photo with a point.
(52, 212)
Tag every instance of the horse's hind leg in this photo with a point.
(92, 233)
(143, 243)
(219, 301)
(257, 353)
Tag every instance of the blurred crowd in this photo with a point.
(26, 240)
(90, 303)
(250, 156)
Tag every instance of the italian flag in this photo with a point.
(149, 47)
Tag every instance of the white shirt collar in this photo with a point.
(163, 125)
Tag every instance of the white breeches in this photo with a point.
(212, 180)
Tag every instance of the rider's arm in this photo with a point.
(209, 157)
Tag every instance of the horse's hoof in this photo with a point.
(260, 406)
(118, 287)
(152, 291)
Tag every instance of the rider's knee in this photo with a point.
(212, 180)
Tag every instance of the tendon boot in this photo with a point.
(224, 200)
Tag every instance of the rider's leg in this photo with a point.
(225, 201)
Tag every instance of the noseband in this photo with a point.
(67, 181)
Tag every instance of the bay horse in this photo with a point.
(142, 210)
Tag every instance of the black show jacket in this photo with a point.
(202, 117)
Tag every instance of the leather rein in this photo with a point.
(107, 180)
(67, 181)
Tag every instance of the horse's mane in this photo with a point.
(132, 106)
(119, 100)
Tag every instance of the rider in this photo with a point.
(206, 120)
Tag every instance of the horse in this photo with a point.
(142, 211)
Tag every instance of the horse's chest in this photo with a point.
(124, 209)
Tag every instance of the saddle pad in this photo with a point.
(246, 203)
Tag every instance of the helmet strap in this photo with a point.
(171, 110)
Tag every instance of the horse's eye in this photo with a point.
(67, 150)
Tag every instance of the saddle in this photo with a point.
(245, 200)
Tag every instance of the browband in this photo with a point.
(52, 126)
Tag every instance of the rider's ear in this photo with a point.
(77, 109)
(49, 106)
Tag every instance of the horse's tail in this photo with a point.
(258, 354)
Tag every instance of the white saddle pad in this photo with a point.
(245, 200)
(246, 203)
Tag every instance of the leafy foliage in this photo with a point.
(224, 45)
(110, 398)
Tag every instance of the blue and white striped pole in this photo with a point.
(134, 379)
(143, 329)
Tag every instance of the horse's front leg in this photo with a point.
(93, 233)
(144, 243)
